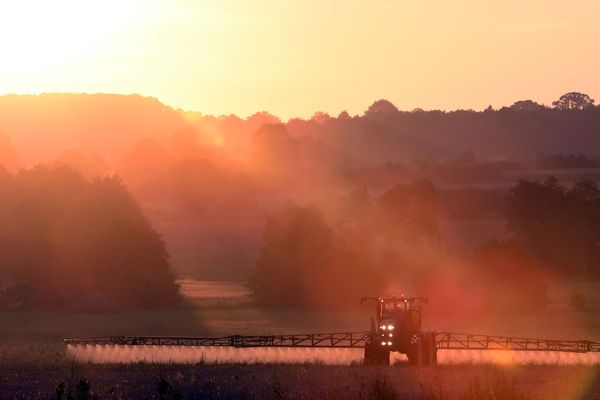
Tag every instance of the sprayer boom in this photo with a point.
(444, 341)
(396, 327)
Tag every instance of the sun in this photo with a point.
(42, 36)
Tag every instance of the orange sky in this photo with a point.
(296, 57)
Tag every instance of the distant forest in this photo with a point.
(553, 232)
(217, 193)
(206, 163)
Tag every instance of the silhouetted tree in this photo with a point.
(381, 109)
(255, 121)
(304, 263)
(343, 115)
(320, 117)
(527, 106)
(274, 151)
(63, 239)
(574, 101)
(411, 211)
(105, 245)
(88, 167)
(560, 226)
(297, 245)
(534, 213)
(566, 161)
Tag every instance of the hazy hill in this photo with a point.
(107, 125)
(41, 128)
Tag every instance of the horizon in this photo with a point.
(197, 196)
(234, 57)
(287, 119)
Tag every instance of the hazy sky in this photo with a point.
(296, 57)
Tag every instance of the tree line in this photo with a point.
(308, 259)
(207, 163)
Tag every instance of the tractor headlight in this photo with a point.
(382, 327)
(383, 343)
(390, 327)
(389, 343)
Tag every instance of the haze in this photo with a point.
(292, 58)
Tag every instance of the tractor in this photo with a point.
(397, 327)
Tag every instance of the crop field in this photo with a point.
(34, 364)
(306, 381)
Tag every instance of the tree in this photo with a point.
(305, 263)
(64, 239)
(527, 106)
(320, 117)
(411, 211)
(381, 109)
(274, 151)
(559, 225)
(297, 244)
(534, 212)
(103, 244)
(574, 101)
(255, 121)
(344, 116)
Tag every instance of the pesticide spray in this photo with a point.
(123, 354)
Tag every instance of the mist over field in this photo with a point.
(386, 201)
(273, 199)
(120, 215)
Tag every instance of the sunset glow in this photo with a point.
(281, 199)
(295, 58)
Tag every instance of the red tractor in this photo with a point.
(397, 327)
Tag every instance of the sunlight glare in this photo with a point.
(40, 35)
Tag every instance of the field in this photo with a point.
(33, 361)
(310, 381)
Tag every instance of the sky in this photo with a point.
(293, 58)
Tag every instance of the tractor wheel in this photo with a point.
(376, 355)
(415, 352)
(429, 349)
(422, 350)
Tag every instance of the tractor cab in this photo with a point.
(399, 312)
(397, 327)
